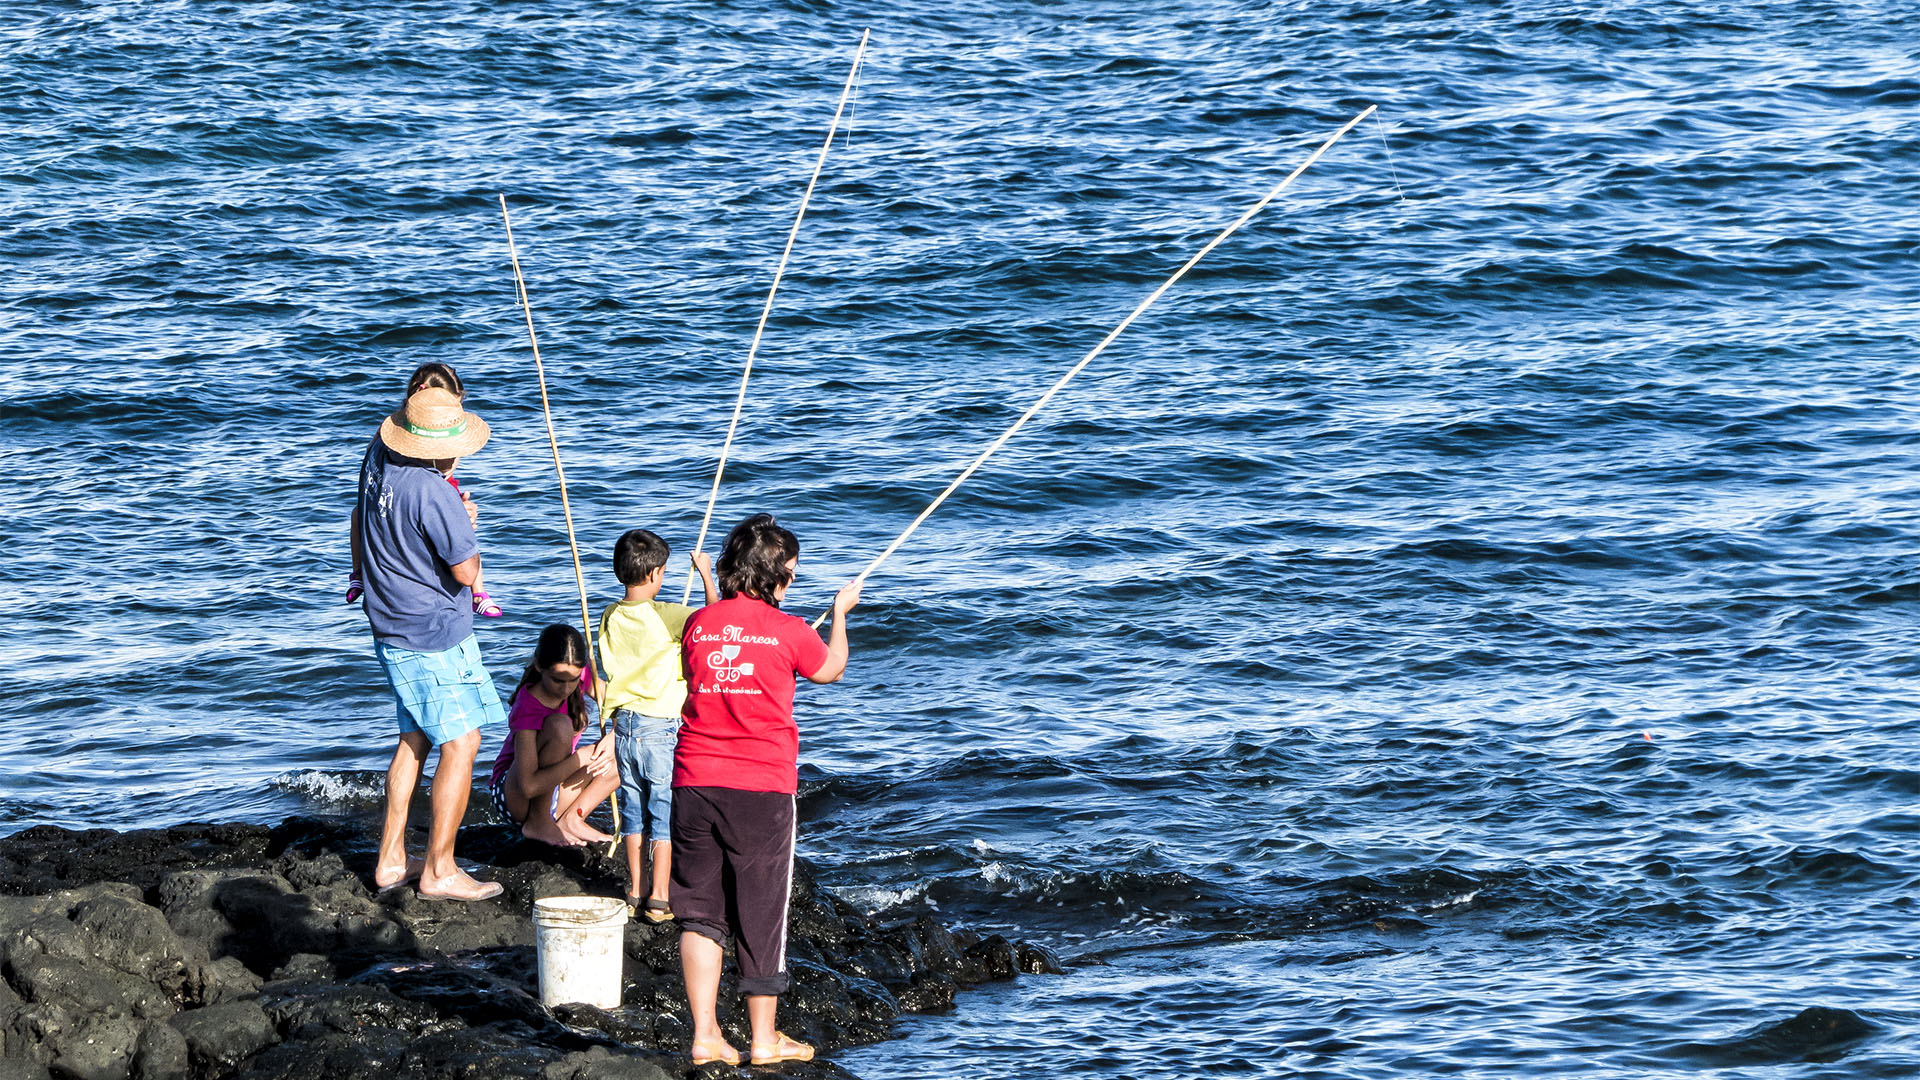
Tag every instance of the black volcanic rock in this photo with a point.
(239, 951)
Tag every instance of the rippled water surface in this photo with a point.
(1464, 628)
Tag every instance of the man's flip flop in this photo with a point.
(482, 890)
(784, 1049)
(656, 911)
(415, 865)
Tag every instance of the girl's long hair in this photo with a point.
(754, 561)
(559, 644)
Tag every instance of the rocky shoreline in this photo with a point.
(245, 951)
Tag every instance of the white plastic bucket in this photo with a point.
(579, 940)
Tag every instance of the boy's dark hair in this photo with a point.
(559, 644)
(434, 373)
(754, 561)
(637, 554)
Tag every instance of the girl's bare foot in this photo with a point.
(459, 886)
(583, 833)
(548, 831)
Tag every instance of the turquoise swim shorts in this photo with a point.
(442, 695)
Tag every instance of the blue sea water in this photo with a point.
(1464, 628)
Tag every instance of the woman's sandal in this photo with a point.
(785, 1049)
(727, 1056)
(483, 605)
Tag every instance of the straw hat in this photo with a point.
(433, 427)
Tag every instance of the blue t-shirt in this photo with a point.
(413, 528)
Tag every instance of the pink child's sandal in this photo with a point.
(483, 605)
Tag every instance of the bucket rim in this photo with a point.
(579, 911)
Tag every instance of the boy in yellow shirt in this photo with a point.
(646, 685)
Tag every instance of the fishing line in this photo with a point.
(853, 107)
(754, 349)
(566, 511)
(1104, 342)
(1381, 130)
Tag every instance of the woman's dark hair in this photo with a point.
(560, 644)
(637, 554)
(433, 373)
(755, 559)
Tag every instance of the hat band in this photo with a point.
(437, 432)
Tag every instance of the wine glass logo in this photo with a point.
(722, 661)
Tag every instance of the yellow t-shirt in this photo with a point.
(640, 648)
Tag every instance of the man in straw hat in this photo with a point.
(420, 558)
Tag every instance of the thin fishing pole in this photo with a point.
(753, 350)
(566, 511)
(1104, 342)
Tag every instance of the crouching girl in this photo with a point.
(542, 781)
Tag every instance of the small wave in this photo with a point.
(1131, 894)
(1825, 867)
(413, 335)
(1365, 897)
(1884, 92)
(23, 812)
(1816, 1034)
(879, 900)
(360, 787)
(110, 406)
(998, 765)
(674, 135)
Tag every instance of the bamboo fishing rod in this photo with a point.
(1097, 349)
(566, 511)
(753, 349)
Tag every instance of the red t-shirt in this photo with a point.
(737, 728)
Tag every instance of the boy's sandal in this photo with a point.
(656, 911)
(784, 1049)
(704, 1054)
(483, 605)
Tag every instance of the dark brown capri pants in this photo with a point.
(732, 873)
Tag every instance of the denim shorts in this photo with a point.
(643, 745)
(442, 695)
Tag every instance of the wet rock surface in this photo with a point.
(216, 951)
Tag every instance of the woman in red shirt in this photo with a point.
(735, 772)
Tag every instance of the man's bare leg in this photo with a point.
(452, 783)
(392, 866)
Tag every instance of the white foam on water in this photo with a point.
(320, 786)
(875, 898)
